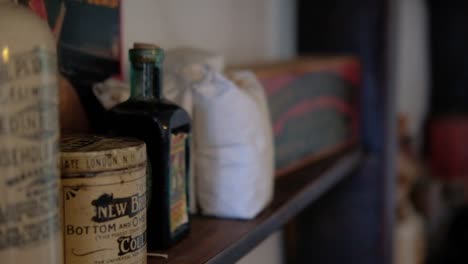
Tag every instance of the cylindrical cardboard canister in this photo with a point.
(104, 200)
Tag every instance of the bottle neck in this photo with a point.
(146, 81)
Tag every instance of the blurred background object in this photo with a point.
(73, 118)
(410, 232)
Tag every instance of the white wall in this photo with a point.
(244, 31)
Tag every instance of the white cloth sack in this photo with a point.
(233, 145)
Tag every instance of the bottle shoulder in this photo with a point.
(21, 29)
(160, 111)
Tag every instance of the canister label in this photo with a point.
(105, 218)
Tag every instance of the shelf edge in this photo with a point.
(311, 193)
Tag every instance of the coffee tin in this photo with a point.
(104, 200)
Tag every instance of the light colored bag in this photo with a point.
(233, 146)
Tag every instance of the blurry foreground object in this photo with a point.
(30, 228)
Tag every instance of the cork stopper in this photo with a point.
(84, 154)
(146, 53)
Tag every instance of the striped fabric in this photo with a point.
(314, 108)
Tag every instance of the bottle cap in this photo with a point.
(139, 45)
(85, 154)
(146, 53)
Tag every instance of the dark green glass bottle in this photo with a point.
(165, 128)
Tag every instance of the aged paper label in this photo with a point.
(90, 154)
(178, 184)
(29, 183)
(105, 217)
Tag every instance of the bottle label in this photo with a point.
(105, 217)
(29, 181)
(178, 185)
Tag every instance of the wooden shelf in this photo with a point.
(215, 240)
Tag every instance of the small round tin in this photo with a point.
(104, 200)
